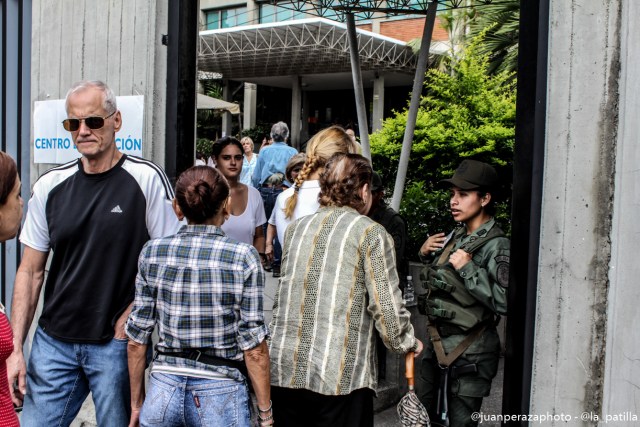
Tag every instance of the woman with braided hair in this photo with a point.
(302, 199)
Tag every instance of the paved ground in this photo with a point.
(385, 418)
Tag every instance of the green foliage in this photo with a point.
(425, 212)
(203, 145)
(469, 114)
(502, 20)
(208, 122)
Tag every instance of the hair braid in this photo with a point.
(310, 165)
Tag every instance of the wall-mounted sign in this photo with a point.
(53, 144)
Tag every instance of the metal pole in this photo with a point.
(181, 86)
(412, 115)
(357, 86)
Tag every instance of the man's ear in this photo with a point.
(177, 210)
(118, 120)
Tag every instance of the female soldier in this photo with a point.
(467, 279)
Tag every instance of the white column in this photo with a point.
(378, 103)
(226, 116)
(296, 108)
(250, 94)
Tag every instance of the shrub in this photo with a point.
(203, 145)
(464, 114)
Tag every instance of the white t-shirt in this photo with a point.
(243, 227)
(307, 204)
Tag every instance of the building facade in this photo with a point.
(316, 97)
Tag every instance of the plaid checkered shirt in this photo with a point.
(204, 291)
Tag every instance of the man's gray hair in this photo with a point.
(109, 100)
(280, 132)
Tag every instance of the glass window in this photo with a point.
(226, 18)
(267, 13)
(234, 17)
(270, 13)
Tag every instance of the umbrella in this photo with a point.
(411, 412)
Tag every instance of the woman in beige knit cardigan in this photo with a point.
(339, 287)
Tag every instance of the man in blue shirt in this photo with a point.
(273, 158)
(268, 177)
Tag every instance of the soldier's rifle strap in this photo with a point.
(470, 247)
(446, 360)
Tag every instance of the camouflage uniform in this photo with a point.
(485, 279)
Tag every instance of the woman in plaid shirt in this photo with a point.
(203, 291)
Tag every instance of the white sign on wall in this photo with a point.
(53, 144)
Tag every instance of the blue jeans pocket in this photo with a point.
(225, 404)
(156, 402)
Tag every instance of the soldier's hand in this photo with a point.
(459, 259)
(432, 244)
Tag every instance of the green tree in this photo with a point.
(208, 122)
(467, 114)
(502, 19)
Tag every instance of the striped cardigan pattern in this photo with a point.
(339, 287)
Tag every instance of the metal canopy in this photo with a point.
(367, 9)
(306, 46)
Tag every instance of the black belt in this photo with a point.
(207, 359)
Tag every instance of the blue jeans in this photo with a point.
(60, 376)
(269, 196)
(176, 400)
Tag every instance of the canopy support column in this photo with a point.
(412, 115)
(296, 109)
(357, 86)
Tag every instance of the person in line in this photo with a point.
(391, 220)
(11, 205)
(204, 292)
(94, 214)
(352, 135)
(200, 159)
(467, 276)
(291, 173)
(249, 161)
(266, 141)
(302, 198)
(246, 212)
(268, 176)
(339, 287)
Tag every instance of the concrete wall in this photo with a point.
(118, 42)
(582, 304)
(622, 363)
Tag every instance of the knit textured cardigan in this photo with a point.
(339, 287)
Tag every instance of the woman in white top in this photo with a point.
(302, 199)
(249, 161)
(246, 211)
